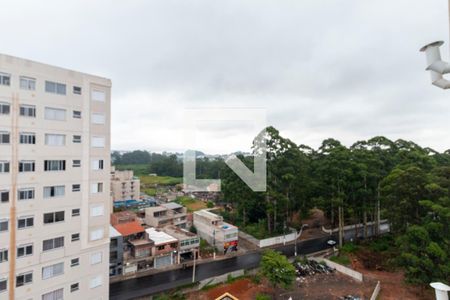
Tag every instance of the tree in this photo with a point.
(277, 269)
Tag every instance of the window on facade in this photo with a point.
(96, 234)
(23, 279)
(4, 225)
(5, 137)
(54, 191)
(74, 287)
(5, 79)
(74, 262)
(4, 196)
(56, 114)
(75, 237)
(55, 139)
(76, 163)
(160, 247)
(26, 166)
(98, 118)
(54, 217)
(76, 139)
(25, 222)
(5, 108)
(54, 295)
(24, 250)
(96, 282)
(97, 210)
(96, 258)
(54, 165)
(98, 96)
(27, 83)
(77, 90)
(76, 187)
(27, 111)
(3, 255)
(53, 243)
(97, 188)
(77, 114)
(53, 270)
(55, 87)
(75, 212)
(4, 166)
(97, 164)
(26, 194)
(27, 138)
(98, 142)
(3, 285)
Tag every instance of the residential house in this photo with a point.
(115, 252)
(188, 242)
(166, 214)
(165, 248)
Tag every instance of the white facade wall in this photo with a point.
(91, 279)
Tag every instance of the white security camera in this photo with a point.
(436, 65)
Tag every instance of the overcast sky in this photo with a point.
(346, 69)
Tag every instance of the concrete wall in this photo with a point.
(344, 270)
(376, 291)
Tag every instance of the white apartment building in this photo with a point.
(54, 182)
(124, 185)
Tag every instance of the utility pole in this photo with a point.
(298, 236)
(193, 268)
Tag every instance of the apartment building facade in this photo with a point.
(166, 214)
(54, 182)
(124, 185)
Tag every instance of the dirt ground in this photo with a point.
(242, 289)
(393, 286)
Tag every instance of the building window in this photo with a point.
(96, 258)
(24, 279)
(27, 138)
(96, 234)
(56, 114)
(27, 111)
(98, 96)
(97, 164)
(25, 222)
(98, 142)
(26, 166)
(77, 114)
(26, 194)
(96, 282)
(76, 187)
(54, 217)
(4, 196)
(5, 79)
(55, 295)
(3, 255)
(4, 225)
(76, 139)
(54, 191)
(74, 287)
(75, 212)
(76, 163)
(54, 165)
(98, 118)
(3, 285)
(4, 166)
(4, 108)
(97, 188)
(55, 87)
(74, 262)
(77, 90)
(4, 137)
(53, 270)
(53, 243)
(75, 237)
(25, 250)
(55, 139)
(27, 83)
(97, 210)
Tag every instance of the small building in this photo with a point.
(215, 231)
(165, 248)
(123, 217)
(124, 185)
(115, 252)
(166, 214)
(188, 242)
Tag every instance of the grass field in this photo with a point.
(191, 204)
(159, 180)
(139, 169)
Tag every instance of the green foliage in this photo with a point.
(210, 204)
(341, 259)
(256, 279)
(262, 297)
(159, 180)
(277, 269)
(349, 248)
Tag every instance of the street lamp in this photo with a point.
(297, 236)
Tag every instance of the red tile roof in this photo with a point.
(129, 228)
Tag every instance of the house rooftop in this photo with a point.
(159, 237)
(207, 214)
(129, 228)
(178, 233)
(113, 233)
(171, 205)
